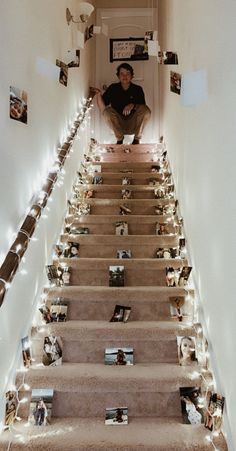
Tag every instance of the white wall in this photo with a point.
(201, 144)
(31, 29)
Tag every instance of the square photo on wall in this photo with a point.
(18, 108)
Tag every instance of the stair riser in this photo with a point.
(92, 351)
(134, 229)
(144, 352)
(117, 195)
(145, 311)
(142, 209)
(116, 179)
(131, 278)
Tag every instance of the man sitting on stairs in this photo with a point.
(123, 105)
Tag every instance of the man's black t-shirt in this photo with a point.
(118, 98)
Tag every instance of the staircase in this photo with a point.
(83, 386)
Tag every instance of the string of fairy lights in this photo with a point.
(15, 256)
(94, 155)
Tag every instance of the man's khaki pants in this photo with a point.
(127, 125)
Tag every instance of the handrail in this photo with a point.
(15, 254)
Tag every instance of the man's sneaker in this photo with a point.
(119, 141)
(135, 141)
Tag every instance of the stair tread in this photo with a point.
(96, 377)
(140, 330)
(84, 434)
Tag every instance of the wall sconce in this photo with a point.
(85, 10)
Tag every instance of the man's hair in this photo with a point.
(124, 66)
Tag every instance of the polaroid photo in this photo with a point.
(184, 275)
(11, 407)
(41, 406)
(182, 248)
(191, 405)
(177, 311)
(119, 356)
(160, 253)
(121, 314)
(125, 210)
(52, 351)
(54, 311)
(76, 61)
(52, 274)
(18, 105)
(58, 311)
(116, 416)
(26, 352)
(162, 228)
(214, 412)
(172, 276)
(126, 194)
(116, 276)
(71, 250)
(155, 168)
(64, 273)
(89, 33)
(167, 57)
(126, 181)
(159, 210)
(58, 250)
(76, 230)
(97, 180)
(89, 194)
(175, 82)
(123, 253)
(63, 75)
(84, 209)
(121, 228)
(160, 192)
(187, 351)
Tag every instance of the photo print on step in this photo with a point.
(54, 311)
(116, 276)
(126, 194)
(123, 253)
(214, 412)
(177, 308)
(11, 400)
(191, 405)
(121, 314)
(121, 228)
(119, 356)
(177, 276)
(26, 352)
(187, 351)
(52, 351)
(76, 230)
(125, 210)
(172, 252)
(116, 416)
(41, 406)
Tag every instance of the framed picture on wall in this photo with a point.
(128, 49)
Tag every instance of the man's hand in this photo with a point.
(127, 109)
(95, 90)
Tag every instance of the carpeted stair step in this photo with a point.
(85, 341)
(87, 271)
(97, 303)
(86, 390)
(91, 434)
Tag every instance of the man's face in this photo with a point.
(125, 76)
